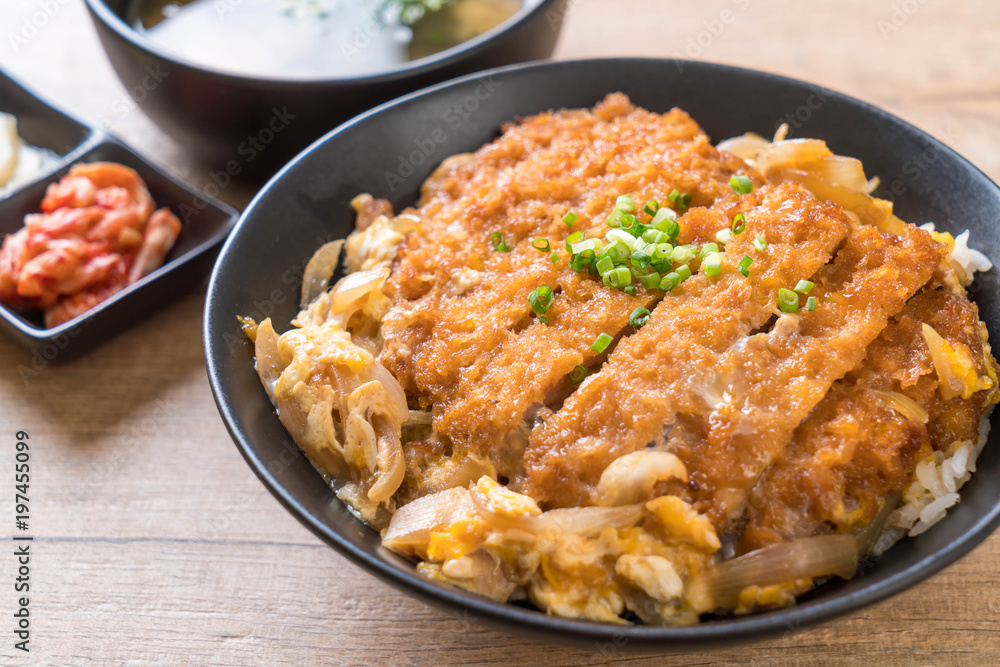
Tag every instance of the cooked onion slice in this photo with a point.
(804, 558)
(412, 524)
(575, 520)
(319, 270)
(356, 285)
(904, 405)
(630, 478)
(746, 146)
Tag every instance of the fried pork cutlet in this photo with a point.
(664, 368)
(460, 334)
(770, 384)
(855, 448)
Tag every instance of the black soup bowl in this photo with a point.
(248, 127)
(390, 150)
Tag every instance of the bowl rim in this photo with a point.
(469, 48)
(641, 638)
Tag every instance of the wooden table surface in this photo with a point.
(155, 543)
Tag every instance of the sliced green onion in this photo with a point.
(575, 237)
(618, 278)
(554, 257)
(496, 238)
(629, 289)
(683, 201)
(708, 249)
(684, 272)
(541, 245)
(638, 317)
(804, 286)
(674, 194)
(741, 185)
(682, 254)
(604, 265)
(581, 261)
(739, 223)
(540, 299)
(724, 236)
(619, 251)
(544, 320)
(788, 301)
(662, 251)
(661, 217)
(627, 221)
(570, 218)
(601, 343)
(669, 281)
(625, 204)
(759, 243)
(744, 265)
(588, 244)
(811, 303)
(650, 280)
(640, 260)
(651, 207)
(712, 264)
(655, 236)
(662, 266)
(577, 374)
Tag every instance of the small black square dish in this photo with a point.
(42, 125)
(205, 222)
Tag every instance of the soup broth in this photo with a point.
(309, 38)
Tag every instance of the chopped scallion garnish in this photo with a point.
(682, 254)
(577, 374)
(669, 281)
(788, 301)
(544, 320)
(601, 343)
(804, 286)
(638, 317)
(581, 261)
(575, 237)
(708, 249)
(570, 218)
(724, 236)
(540, 299)
(741, 185)
(554, 257)
(684, 272)
(759, 243)
(712, 264)
(604, 265)
(650, 280)
(640, 260)
(739, 223)
(811, 303)
(651, 207)
(618, 278)
(542, 245)
(496, 238)
(629, 289)
(744, 265)
(625, 204)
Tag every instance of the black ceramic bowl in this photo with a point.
(307, 203)
(250, 126)
(205, 221)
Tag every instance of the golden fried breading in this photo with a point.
(665, 367)
(854, 449)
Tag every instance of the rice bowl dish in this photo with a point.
(629, 376)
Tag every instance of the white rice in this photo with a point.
(934, 490)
